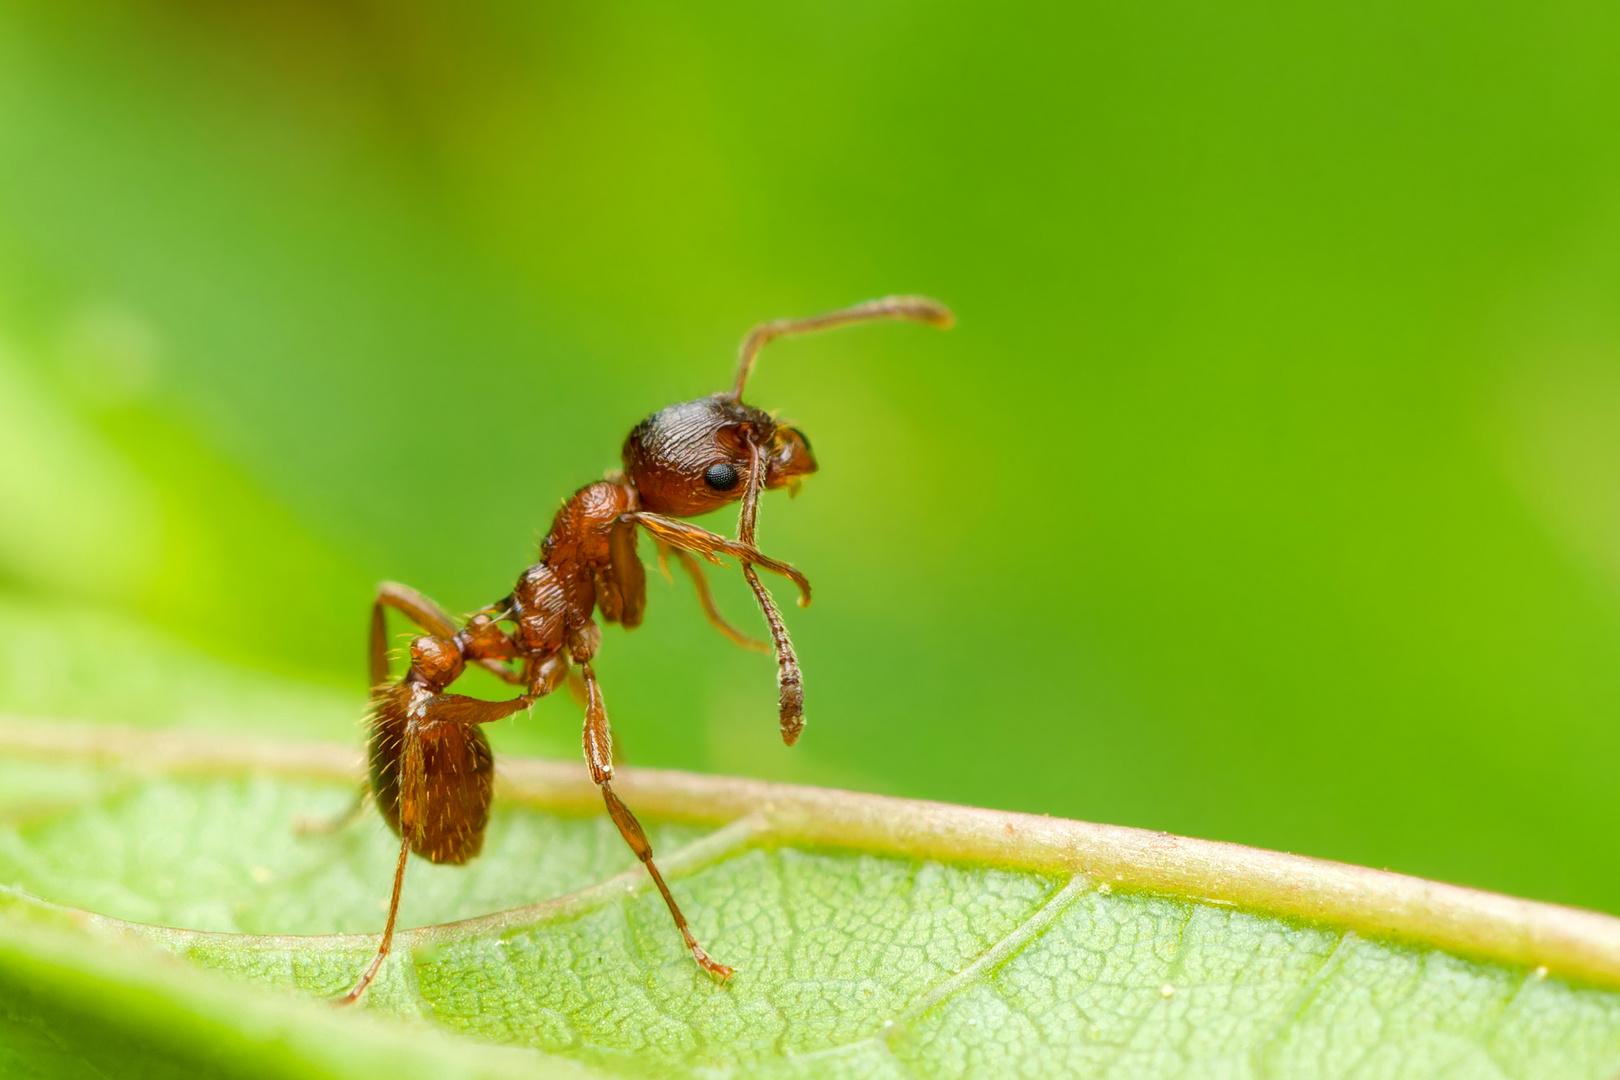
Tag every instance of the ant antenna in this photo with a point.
(789, 678)
(915, 308)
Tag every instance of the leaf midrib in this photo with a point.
(1575, 944)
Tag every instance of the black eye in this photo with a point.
(721, 477)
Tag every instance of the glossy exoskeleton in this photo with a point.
(431, 768)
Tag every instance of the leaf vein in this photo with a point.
(1301, 1001)
(994, 957)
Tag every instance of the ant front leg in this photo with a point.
(710, 609)
(684, 536)
(599, 757)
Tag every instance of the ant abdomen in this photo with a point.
(433, 781)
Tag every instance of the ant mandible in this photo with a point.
(431, 769)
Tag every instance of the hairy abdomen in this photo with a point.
(451, 808)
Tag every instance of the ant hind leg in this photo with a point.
(412, 805)
(306, 826)
(414, 606)
(388, 930)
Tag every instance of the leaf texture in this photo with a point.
(550, 953)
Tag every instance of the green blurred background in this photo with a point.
(1268, 489)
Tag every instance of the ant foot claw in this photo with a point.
(713, 968)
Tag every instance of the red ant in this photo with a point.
(431, 767)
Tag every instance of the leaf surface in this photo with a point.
(871, 937)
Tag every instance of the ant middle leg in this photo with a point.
(599, 757)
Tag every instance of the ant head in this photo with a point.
(694, 457)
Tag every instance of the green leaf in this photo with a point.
(871, 937)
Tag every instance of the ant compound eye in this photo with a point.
(721, 477)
